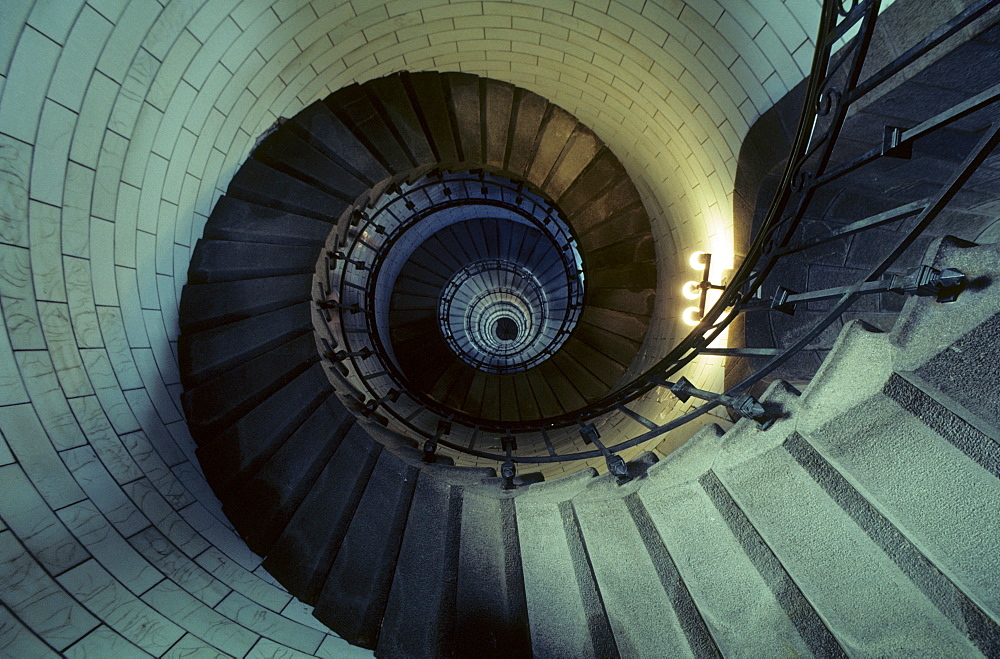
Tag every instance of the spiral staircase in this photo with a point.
(694, 554)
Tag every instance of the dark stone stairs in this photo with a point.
(833, 533)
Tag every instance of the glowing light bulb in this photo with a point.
(691, 316)
(691, 290)
(697, 261)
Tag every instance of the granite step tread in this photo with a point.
(218, 403)
(240, 220)
(262, 501)
(491, 606)
(286, 151)
(227, 260)
(258, 183)
(303, 554)
(356, 590)
(208, 354)
(204, 306)
(860, 453)
(873, 607)
(420, 610)
(328, 134)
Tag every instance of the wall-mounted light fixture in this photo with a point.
(698, 290)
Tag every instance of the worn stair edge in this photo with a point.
(748, 602)
(648, 606)
(326, 133)
(565, 615)
(354, 596)
(958, 533)
(226, 260)
(420, 610)
(920, 536)
(204, 306)
(872, 607)
(240, 220)
(218, 403)
(490, 601)
(256, 182)
(208, 354)
(690, 460)
(271, 484)
(925, 327)
(302, 556)
(856, 368)
(262, 429)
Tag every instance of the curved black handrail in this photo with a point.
(833, 86)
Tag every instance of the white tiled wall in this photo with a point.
(120, 124)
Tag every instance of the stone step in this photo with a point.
(580, 149)
(497, 106)
(218, 403)
(279, 414)
(354, 596)
(420, 611)
(448, 255)
(578, 373)
(565, 609)
(554, 134)
(867, 600)
(463, 92)
(620, 349)
(233, 458)
(240, 220)
(543, 394)
(225, 260)
(407, 285)
(529, 111)
(326, 133)
(303, 554)
(526, 404)
(287, 152)
(561, 387)
(391, 98)
(949, 349)
(747, 601)
(258, 183)
(649, 610)
(204, 306)
(598, 364)
(428, 90)
(355, 110)
(210, 353)
(594, 185)
(491, 610)
(871, 455)
(262, 501)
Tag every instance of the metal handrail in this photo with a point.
(833, 86)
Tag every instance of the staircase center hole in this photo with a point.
(505, 329)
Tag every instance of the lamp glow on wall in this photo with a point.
(698, 290)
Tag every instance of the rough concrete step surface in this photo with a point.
(236, 219)
(262, 501)
(356, 590)
(207, 354)
(260, 184)
(205, 306)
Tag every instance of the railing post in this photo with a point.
(616, 465)
(508, 471)
(745, 405)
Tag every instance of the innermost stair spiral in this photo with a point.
(498, 316)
